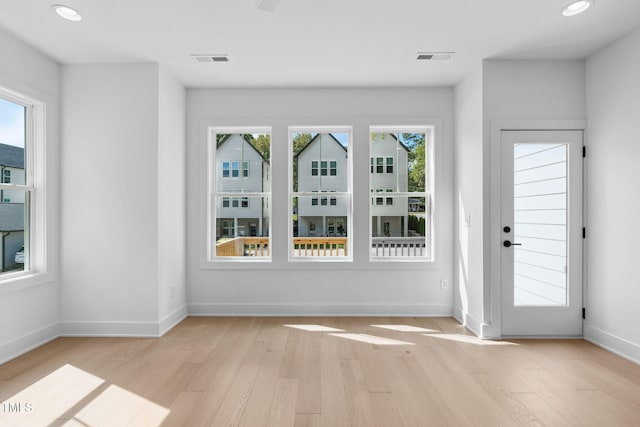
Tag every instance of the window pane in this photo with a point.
(320, 162)
(320, 229)
(243, 159)
(399, 229)
(14, 226)
(400, 220)
(14, 204)
(242, 230)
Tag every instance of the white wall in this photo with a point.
(468, 194)
(29, 307)
(613, 108)
(109, 274)
(171, 208)
(519, 90)
(360, 287)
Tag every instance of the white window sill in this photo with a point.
(15, 282)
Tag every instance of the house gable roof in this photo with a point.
(315, 138)
(245, 137)
(11, 156)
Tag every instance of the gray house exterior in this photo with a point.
(322, 167)
(12, 212)
(241, 168)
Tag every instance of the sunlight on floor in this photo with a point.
(117, 407)
(372, 339)
(404, 328)
(467, 339)
(49, 399)
(315, 328)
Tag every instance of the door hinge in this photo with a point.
(584, 151)
(584, 313)
(584, 232)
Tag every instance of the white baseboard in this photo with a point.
(25, 343)
(109, 329)
(614, 344)
(468, 321)
(230, 309)
(171, 320)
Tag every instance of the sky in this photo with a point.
(11, 123)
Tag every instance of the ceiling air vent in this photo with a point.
(212, 58)
(434, 56)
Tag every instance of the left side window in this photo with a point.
(239, 171)
(16, 183)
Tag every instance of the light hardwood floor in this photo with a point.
(259, 372)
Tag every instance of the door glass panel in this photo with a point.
(540, 224)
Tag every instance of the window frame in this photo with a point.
(292, 130)
(428, 195)
(35, 233)
(238, 197)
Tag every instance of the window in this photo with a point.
(401, 221)
(18, 125)
(240, 193)
(320, 194)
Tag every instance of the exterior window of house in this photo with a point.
(323, 168)
(242, 231)
(401, 221)
(21, 123)
(320, 194)
(389, 200)
(379, 164)
(372, 167)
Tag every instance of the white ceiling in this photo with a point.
(317, 43)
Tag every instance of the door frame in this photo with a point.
(492, 303)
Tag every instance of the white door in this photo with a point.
(542, 230)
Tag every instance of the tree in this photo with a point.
(262, 143)
(417, 173)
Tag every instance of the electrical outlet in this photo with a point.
(444, 284)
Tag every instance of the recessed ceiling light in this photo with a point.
(576, 7)
(66, 12)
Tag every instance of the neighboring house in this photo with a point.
(389, 174)
(241, 168)
(11, 172)
(11, 205)
(322, 167)
(11, 233)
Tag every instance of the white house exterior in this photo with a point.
(240, 168)
(11, 205)
(322, 167)
(389, 174)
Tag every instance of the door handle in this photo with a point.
(508, 244)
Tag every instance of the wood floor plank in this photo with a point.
(260, 372)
